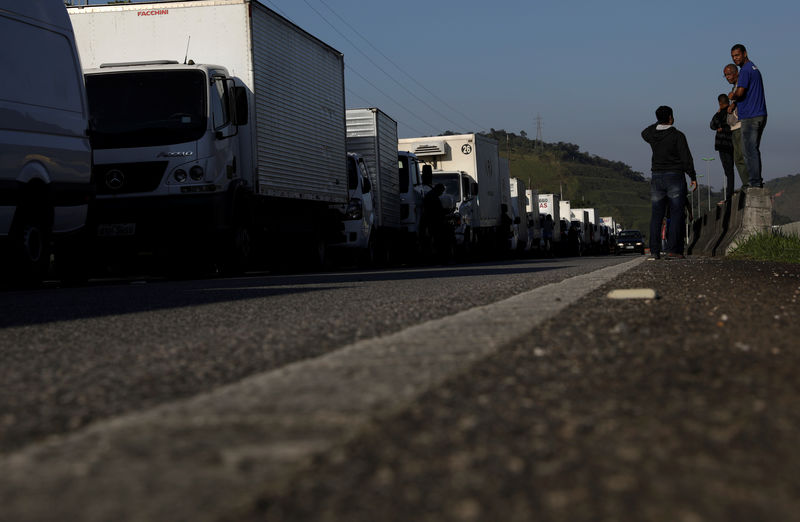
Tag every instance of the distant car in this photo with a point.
(630, 241)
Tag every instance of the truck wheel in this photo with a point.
(72, 260)
(366, 257)
(30, 244)
(320, 254)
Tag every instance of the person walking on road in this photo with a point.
(671, 160)
(748, 98)
(731, 73)
(723, 142)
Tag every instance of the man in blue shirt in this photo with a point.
(748, 98)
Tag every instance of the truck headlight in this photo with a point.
(354, 210)
(196, 173)
(179, 175)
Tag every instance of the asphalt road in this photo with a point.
(512, 391)
(74, 356)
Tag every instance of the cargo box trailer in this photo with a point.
(215, 122)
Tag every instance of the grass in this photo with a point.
(768, 246)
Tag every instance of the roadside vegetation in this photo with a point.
(584, 179)
(768, 246)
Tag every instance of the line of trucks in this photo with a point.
(241, 151)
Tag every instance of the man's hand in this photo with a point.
(731, 108)
(694, 185)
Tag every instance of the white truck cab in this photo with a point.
(359, 214)
(463, 189)
(167, 152)
(45, 158)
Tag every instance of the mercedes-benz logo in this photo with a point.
(115, 179)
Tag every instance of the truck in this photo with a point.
(518, 204)
(372, 135)
(469, 166)
(412, 192)
(592, 235)
(550, 218)
(535, 221)
(230, 145)
(45, 171)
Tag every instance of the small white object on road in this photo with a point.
(632, 293)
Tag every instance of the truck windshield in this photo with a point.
(146, 108)
(452, 184)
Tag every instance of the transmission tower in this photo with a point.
(538, 147)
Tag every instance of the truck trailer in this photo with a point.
(216, 123)
(372, 135)
(475, 161)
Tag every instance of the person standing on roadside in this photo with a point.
(748, 98)
(671, 160)
(731, 73)
(723, 142)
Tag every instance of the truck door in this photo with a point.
(225, 144)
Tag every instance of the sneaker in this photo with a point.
(653, 257)
(672, 255)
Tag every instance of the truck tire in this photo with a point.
(30, 245)
(72, 259)
(366, 257)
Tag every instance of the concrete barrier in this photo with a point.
(792, 229)
(748, 212)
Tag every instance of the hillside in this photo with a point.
(585, 180)
(786, 194)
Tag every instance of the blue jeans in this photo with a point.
(667, 193)
(752, 129)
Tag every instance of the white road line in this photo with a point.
(201, 458)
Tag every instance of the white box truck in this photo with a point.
(216, 123)
(372, 135)
(518, 203)
(45, 165)
(550, 205)
(412, 193)
(474, 160)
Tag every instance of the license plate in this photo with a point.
(116, 229)
(629, 247)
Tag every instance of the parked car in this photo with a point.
(630, 241)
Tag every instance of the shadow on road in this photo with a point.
(102, 299)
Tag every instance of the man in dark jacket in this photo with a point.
(671, 160)
(723, 142)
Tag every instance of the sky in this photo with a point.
(593, 72)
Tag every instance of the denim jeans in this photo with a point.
(667, 193)
(726, 158)
(738, 156)
(752, 129)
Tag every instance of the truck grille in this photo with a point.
(126, 178)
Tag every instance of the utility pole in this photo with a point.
(538, 147)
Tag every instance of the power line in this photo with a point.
(405, 73)
(381, 69)
(368, 103)
(432, 126)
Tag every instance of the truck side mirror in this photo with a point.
(475, 189)
(367, 185)
(242, 113)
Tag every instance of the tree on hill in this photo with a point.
(562, 151)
